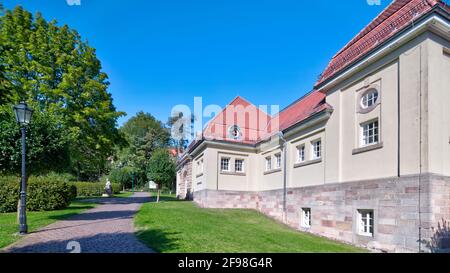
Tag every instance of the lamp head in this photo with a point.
(23, 114)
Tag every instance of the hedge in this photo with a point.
(43, 194)
(88, 189)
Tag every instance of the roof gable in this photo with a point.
(255, 124)
(251, 121)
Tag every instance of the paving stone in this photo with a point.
(108, 228)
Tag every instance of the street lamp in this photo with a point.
(23, 117)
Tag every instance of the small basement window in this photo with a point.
(306, 218)
(365, 222)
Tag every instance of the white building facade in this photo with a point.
(364, 158)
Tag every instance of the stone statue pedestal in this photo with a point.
(108, 189)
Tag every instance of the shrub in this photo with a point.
(46, 194)
(88, 189)
(42, 193)
(9, 193)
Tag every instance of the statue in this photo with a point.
(108, 189)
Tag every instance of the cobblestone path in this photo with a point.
(108, 228)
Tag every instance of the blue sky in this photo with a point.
(162, 53)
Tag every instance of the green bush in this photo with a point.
(88, 189)
(46, 194)
(9, 193)
(43, 193)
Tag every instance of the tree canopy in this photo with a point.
(144, 135)
(161, 169)
(52, 68)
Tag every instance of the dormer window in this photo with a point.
(234, 132)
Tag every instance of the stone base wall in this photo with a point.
(226, 199)
(398, 225)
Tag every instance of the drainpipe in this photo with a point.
(281, 136)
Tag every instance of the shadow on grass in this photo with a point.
(159, 240)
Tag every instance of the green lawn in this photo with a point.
(36, 220)
(180, 227)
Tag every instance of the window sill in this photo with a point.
(272, 171)
(306, 163)
(367, 148)
(365, 235)
(233, 173)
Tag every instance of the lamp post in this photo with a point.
(23, 117)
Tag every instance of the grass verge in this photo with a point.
(181, 227)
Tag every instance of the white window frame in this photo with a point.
(242, 165)
(316, 151)
(306, 218)
(301, 153)
(366, 222)
(222, 159)
(369, 99)
(370, 136)
(278, 161)
(268, 163)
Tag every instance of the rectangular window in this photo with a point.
(200, 166)
(278, 161)
(317, 149)
(306, 218)
(268, 163)
(300, 154)
(365, 222)
(369, 133)
(239, 165)
(225, 164)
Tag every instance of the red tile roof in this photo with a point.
(255, 124)
(251, 120)
(398, 15)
